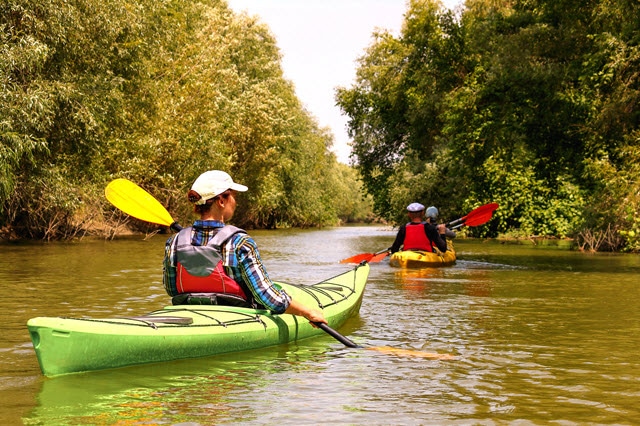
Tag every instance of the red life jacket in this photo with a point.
(415, 238)
(199, 269)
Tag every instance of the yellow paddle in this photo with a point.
(412, 353)
(136, 202)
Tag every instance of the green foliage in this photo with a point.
(157, 92)
(57, 211)
(396, 105)
(615, 201)
(349, 198)
(531, 104)
(61, 99)
(526, 202)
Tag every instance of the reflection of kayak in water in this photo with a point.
(130, 395)
(67, 345)
(422, 259)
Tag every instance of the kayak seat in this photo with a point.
(209, 299)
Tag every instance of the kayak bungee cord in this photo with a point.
(148, 322)
(327, 292)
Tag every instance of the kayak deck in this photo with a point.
(71, 345)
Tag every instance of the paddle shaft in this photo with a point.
(339, 337)
(366, 257)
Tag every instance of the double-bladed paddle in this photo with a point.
(476, 217)
(136, 202)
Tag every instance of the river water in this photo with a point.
(539, 335)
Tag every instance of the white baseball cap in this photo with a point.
(415, 207)
(213, 183)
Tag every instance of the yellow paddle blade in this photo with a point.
(136, 202)
(411, 353)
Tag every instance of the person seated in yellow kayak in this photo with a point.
(215, 263)
(432, 218)
(419, 235)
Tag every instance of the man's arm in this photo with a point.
(399, 240)
(434, 235)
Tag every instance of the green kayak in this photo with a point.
(67, 345)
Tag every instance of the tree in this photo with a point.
(157, 92)
(527, 102)
(396, 104)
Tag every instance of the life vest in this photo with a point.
(415, 238)
(199, 269)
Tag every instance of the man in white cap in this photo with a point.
(213, 258)
(419, 235)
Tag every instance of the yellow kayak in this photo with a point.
(423, 259)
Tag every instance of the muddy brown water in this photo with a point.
(539, 334)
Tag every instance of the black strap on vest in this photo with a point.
(210, 299)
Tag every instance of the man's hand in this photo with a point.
(313, 315)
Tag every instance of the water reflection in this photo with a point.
(206, 390)
(420, 283)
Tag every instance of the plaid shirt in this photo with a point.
(241, 261)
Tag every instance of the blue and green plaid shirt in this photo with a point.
(241, 261)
